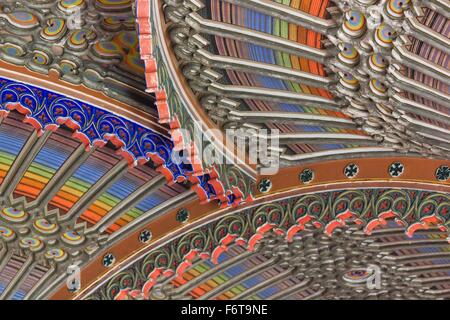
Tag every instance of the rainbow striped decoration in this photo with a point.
(228, 13)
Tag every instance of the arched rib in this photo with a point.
(154, 213)
(212, 272)
(263, 285)
(346, 152)
(426, 34)
(405, 57)
(220, 289)
(299, 118)
(75, 160)
(128, 203)
(291, 290)
(37, 287)
(420, 109)
(98, 188)
(274, 95)
(267, 69)
(324, 138)
(201, 25)
(289, 14)
(22, 162)
(18, 278)
(402, 82)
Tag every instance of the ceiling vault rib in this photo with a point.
(128, 203)
(443, 6)
(396, 232)
(182, 290)
(220, 289)
(291, 290)
(50, 283)
(18, 279)
(289, 14)
(154, 213)
(263, 285)
(420, 109)
(439, 293)
(418, 257)
(426, 34)
(424, 127)
(3, 251)
(398, 80)
(431, 280)
(98, 188)
(324, 138)
(336, 152)
(425, 268)
(442, 143)
(273, 70)
(201, 25)
(316, 294)
(8, 255)
(274, 95)
(403, 56)
(36, 288)
(290, 117)
(409, 244)
(22, 162)
(75, 160)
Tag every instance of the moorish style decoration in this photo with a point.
(328, 212)
(313, 137)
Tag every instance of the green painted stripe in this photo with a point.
(134, 213)
(238, 289)
(77, 185)
(202, 268)
(40, 171)
(6, 161)
(218, 280)
(109, 200)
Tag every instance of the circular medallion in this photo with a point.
(6, 233)
(265, 185)
(108, 260)
(351, 170)
(354, 24)
(72, 238)
(348, 54)
(145, 236)
(56, 254)
(396, 169)
(14, 215)
(385, 35)
(377, 63)
(182, 215)
(357, 276)
(442, 173)
(306, 176)
(34, 244)
(43, 226)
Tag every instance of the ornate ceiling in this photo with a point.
(95, 96)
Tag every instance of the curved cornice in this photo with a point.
(419, 174)
(132, 126)
(178, 107)
(52, 82)
(365, 71)
(329, 217)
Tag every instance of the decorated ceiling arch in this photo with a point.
(96, 96)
